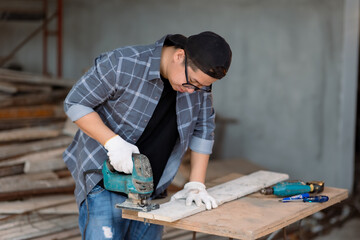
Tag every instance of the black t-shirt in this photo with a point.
(160, 135)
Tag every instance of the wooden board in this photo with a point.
(34, 98)
(175, 210)
(26, 134)
(17, 149)
(31, 78)
(46, 154)
(55, 204)
(45, 225)
(250, 217)
(25, 185)
(43, 165)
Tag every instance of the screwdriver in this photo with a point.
(319, 199)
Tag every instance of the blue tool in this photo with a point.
(296, 197)
(319, 199)
(138, 185)
(291, 188)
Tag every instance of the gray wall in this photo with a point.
(291, 86)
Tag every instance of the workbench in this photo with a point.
(249, 217)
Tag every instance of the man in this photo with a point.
(153, 99)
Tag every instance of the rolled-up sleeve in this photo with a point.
(202, 140)
(93, 88)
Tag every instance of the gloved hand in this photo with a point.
(196, 191)
(120, 153)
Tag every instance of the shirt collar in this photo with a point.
(154, 61)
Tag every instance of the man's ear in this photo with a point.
(179, 55)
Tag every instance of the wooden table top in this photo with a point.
(249, 217)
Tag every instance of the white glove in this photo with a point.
(196, 191)
(120, 154)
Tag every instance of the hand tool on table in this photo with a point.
(138, 185)
(291, 188)
(319, 199)
(296, 197)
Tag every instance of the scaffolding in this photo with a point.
(17, 11)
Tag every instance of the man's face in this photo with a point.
(177, 75)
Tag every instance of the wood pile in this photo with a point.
(36, 189)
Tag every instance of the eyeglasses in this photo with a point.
(192, 86)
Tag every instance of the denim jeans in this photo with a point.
(105, 221)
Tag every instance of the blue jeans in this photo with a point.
(105, 221)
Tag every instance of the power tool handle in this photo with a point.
(109, 166)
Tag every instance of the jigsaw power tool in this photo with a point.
(291, 188)
(138, 185)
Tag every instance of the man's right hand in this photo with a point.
(120, 153)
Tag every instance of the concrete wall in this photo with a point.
(291, 86)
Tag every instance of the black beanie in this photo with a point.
(207, 50)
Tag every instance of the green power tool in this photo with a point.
(138, 185)
(291, 188)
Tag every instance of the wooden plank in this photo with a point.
(34, 133)
(249, 217)
(26, 185)
(25, 77)
(11, 170)
(175, 210)
(59, 204)
(44, 164)
(45, 154)
(13, 150)
(35, 98)
(40, 111)
(12, 88)
(6, 124)
(67, 234)
(46, 225)
(7, 88)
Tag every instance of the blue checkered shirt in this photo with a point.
(124, 87)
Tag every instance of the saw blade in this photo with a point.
(136, 207)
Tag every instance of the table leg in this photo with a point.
(284, 231)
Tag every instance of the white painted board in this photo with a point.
(175, 210)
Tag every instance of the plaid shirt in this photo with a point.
(124, 87)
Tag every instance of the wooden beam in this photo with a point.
(6, 124)
(44, 154)
(12, 88)
(13, 150)
(29, 228)
(7, 88)
(44, 164)
(30, 112)
(11, 170)
(35, 98)
(25, 77)
(26, 185)
(44, 204)
(32, 133)
(70, 234)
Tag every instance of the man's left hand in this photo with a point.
(196, 192)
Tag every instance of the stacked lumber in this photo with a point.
(36, 189)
